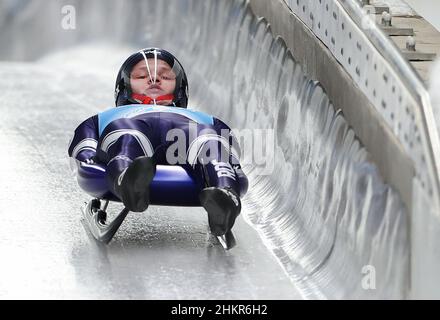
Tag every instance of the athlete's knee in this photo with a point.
(207, 148)
(127, 141)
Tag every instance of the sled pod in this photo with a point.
(171, 186)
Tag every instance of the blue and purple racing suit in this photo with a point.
(200, 143)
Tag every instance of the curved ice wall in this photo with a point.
(315, 197)
(386, 96)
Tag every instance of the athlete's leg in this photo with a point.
(213, 154)
(127, 147)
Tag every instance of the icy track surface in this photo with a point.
(313, 223)
(164, 253)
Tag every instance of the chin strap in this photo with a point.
(148, 100)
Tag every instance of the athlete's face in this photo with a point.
(155, 83)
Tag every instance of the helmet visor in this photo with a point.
(155, 77)
(159, 65)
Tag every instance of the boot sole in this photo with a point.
(136, 193)
(221, 209)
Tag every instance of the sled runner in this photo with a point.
(174, 180)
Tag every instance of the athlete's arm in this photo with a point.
(235, 151)
(85, 140)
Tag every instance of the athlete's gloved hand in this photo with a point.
(88, 156)
(242, 179)
(90, 161)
